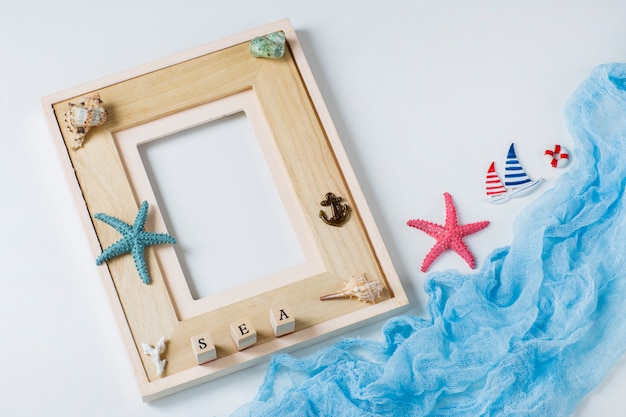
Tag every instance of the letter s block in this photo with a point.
(243, 333)
(282, 321)
(203, 348)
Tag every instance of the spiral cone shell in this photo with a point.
(359, 287)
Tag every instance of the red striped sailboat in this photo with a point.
(516, 182)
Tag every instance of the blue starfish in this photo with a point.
(134, 240)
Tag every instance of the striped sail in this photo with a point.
(514, 174)
(493, 185)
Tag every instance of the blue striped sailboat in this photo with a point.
(516, 182)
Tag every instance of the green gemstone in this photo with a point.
(269, 46)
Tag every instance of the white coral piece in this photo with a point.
(155, 353)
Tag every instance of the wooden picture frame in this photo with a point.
(307, 161)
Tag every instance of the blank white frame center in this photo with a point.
(219, 199)
(191, 297)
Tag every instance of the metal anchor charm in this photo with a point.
(341, 212)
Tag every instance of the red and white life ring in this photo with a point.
(559, 157)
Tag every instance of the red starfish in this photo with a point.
(449, 236)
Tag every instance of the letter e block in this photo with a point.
(203, 348)
(282, 321)
(243, 333)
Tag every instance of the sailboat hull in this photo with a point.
(497, 199)
(525, 189)
(514, 192)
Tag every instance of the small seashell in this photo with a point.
(270, 46)
(83, 116)
(359, 287)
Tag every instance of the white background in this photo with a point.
(424, 94)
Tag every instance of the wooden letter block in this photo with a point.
(203, 348)
(243, 333)
(282, 321)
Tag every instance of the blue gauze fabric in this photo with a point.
(528, 335)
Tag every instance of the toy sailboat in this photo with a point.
(516, 182)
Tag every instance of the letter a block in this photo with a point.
(243, 333)
(203, 348)
(282, 321)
